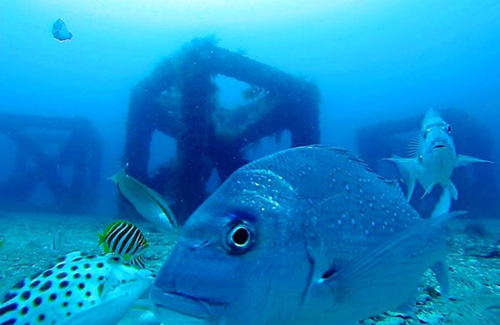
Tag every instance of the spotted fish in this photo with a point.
(305, 236)
(78, 290)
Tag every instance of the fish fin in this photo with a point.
(440, 269)
(428, 189)
(414, 146)
(453, 190)
(388, 264)
(120, 175)
(111, 282)
(463, 160)
(444, 203)
(410, 169)
(102, 239)
(106, 248)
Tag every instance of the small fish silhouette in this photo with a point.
(61, 32)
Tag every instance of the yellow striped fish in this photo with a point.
(125, 239)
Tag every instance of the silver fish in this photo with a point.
(304, 236)
(61, 32)
(435, 158)
(149, 203)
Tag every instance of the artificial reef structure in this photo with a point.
(180, 100)
(476, 183)
(55, 165)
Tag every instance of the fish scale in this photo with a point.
(73, 286)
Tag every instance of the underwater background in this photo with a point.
(373, 62)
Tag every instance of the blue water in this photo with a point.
(372, 60)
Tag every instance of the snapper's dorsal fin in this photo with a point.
(349, 155)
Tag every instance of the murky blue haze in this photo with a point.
(372, 60)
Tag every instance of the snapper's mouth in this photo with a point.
(439, 146)
(184, 308)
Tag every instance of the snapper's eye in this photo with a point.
(448, 128)
(240, 239)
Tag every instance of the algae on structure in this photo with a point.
(180, 99)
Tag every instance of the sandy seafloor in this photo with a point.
(473, 258)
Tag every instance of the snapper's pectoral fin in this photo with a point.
(463, 160)
(440, 269)
(410, 170)
(389, 265)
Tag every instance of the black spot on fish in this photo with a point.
(74, 268)
(80, 304)
(69, 293)
(60, 266)
(9, 296)
(34, 284)
(88, 276)
(41, 317)
(68, 314)
(65, 304)
(76, 276)
(63, 284)
(47, 273)
(53, 297)
(11, 321)
(331, 272)
(8, 308)
(91, 256)
(88, 294)
(62, 275)
(100, 265)
(24, 311)
(81, 286)
(101, 278)
(77, 259)
(86, 266)
(19, 285)
(25, 295)
(37, 301)
(46, 286)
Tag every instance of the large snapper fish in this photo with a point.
(304, 236)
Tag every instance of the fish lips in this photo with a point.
(439, 146)
(202, 309)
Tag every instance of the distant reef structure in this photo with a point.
(180, 100)
(478, 191)
(49, 164)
